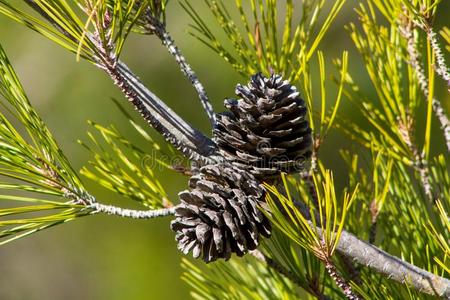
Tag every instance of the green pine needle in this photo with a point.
(245, 278)
(87, 28)
(262, 45)
(38, 187)
(304, 265)
(328, 214)
(124, 168)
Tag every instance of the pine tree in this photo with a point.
(262, 208)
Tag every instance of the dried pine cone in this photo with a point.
(219, 215)
(266, 128)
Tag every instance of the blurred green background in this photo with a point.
(104, 257)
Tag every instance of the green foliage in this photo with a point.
(439, 226)
(257, 42)
(245, 278)
(394, 83)
(63, 15)
(79, 25)
(34, 172)
(327, 213)
(321, 120)
(390, 206)
(305, 267)
(125, 168)
(397, 193)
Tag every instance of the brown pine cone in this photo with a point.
(219, 215)
(265, 130)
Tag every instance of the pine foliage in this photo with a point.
(396, 190)
(236, 280)
(260, 47)
(35, 175)
(122, 167)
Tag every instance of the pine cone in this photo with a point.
(266, 128)
(219, 215)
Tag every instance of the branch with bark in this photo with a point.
(407, 30)
(392, 267)
(190, 141)
(159, 29)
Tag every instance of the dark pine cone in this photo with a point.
(220, 214)
(266, 128)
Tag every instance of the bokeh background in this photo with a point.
(104, 257)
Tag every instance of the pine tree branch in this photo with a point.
(441, 67)
(420, 163)
(197, 146)
(392, 267)
(340, 282)
(82, 197)
(424, 173)
(180, 134)
(90, 203)
(130, 213)
(184, 137)
(414, 60)
(160, 30)
(382, 262)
